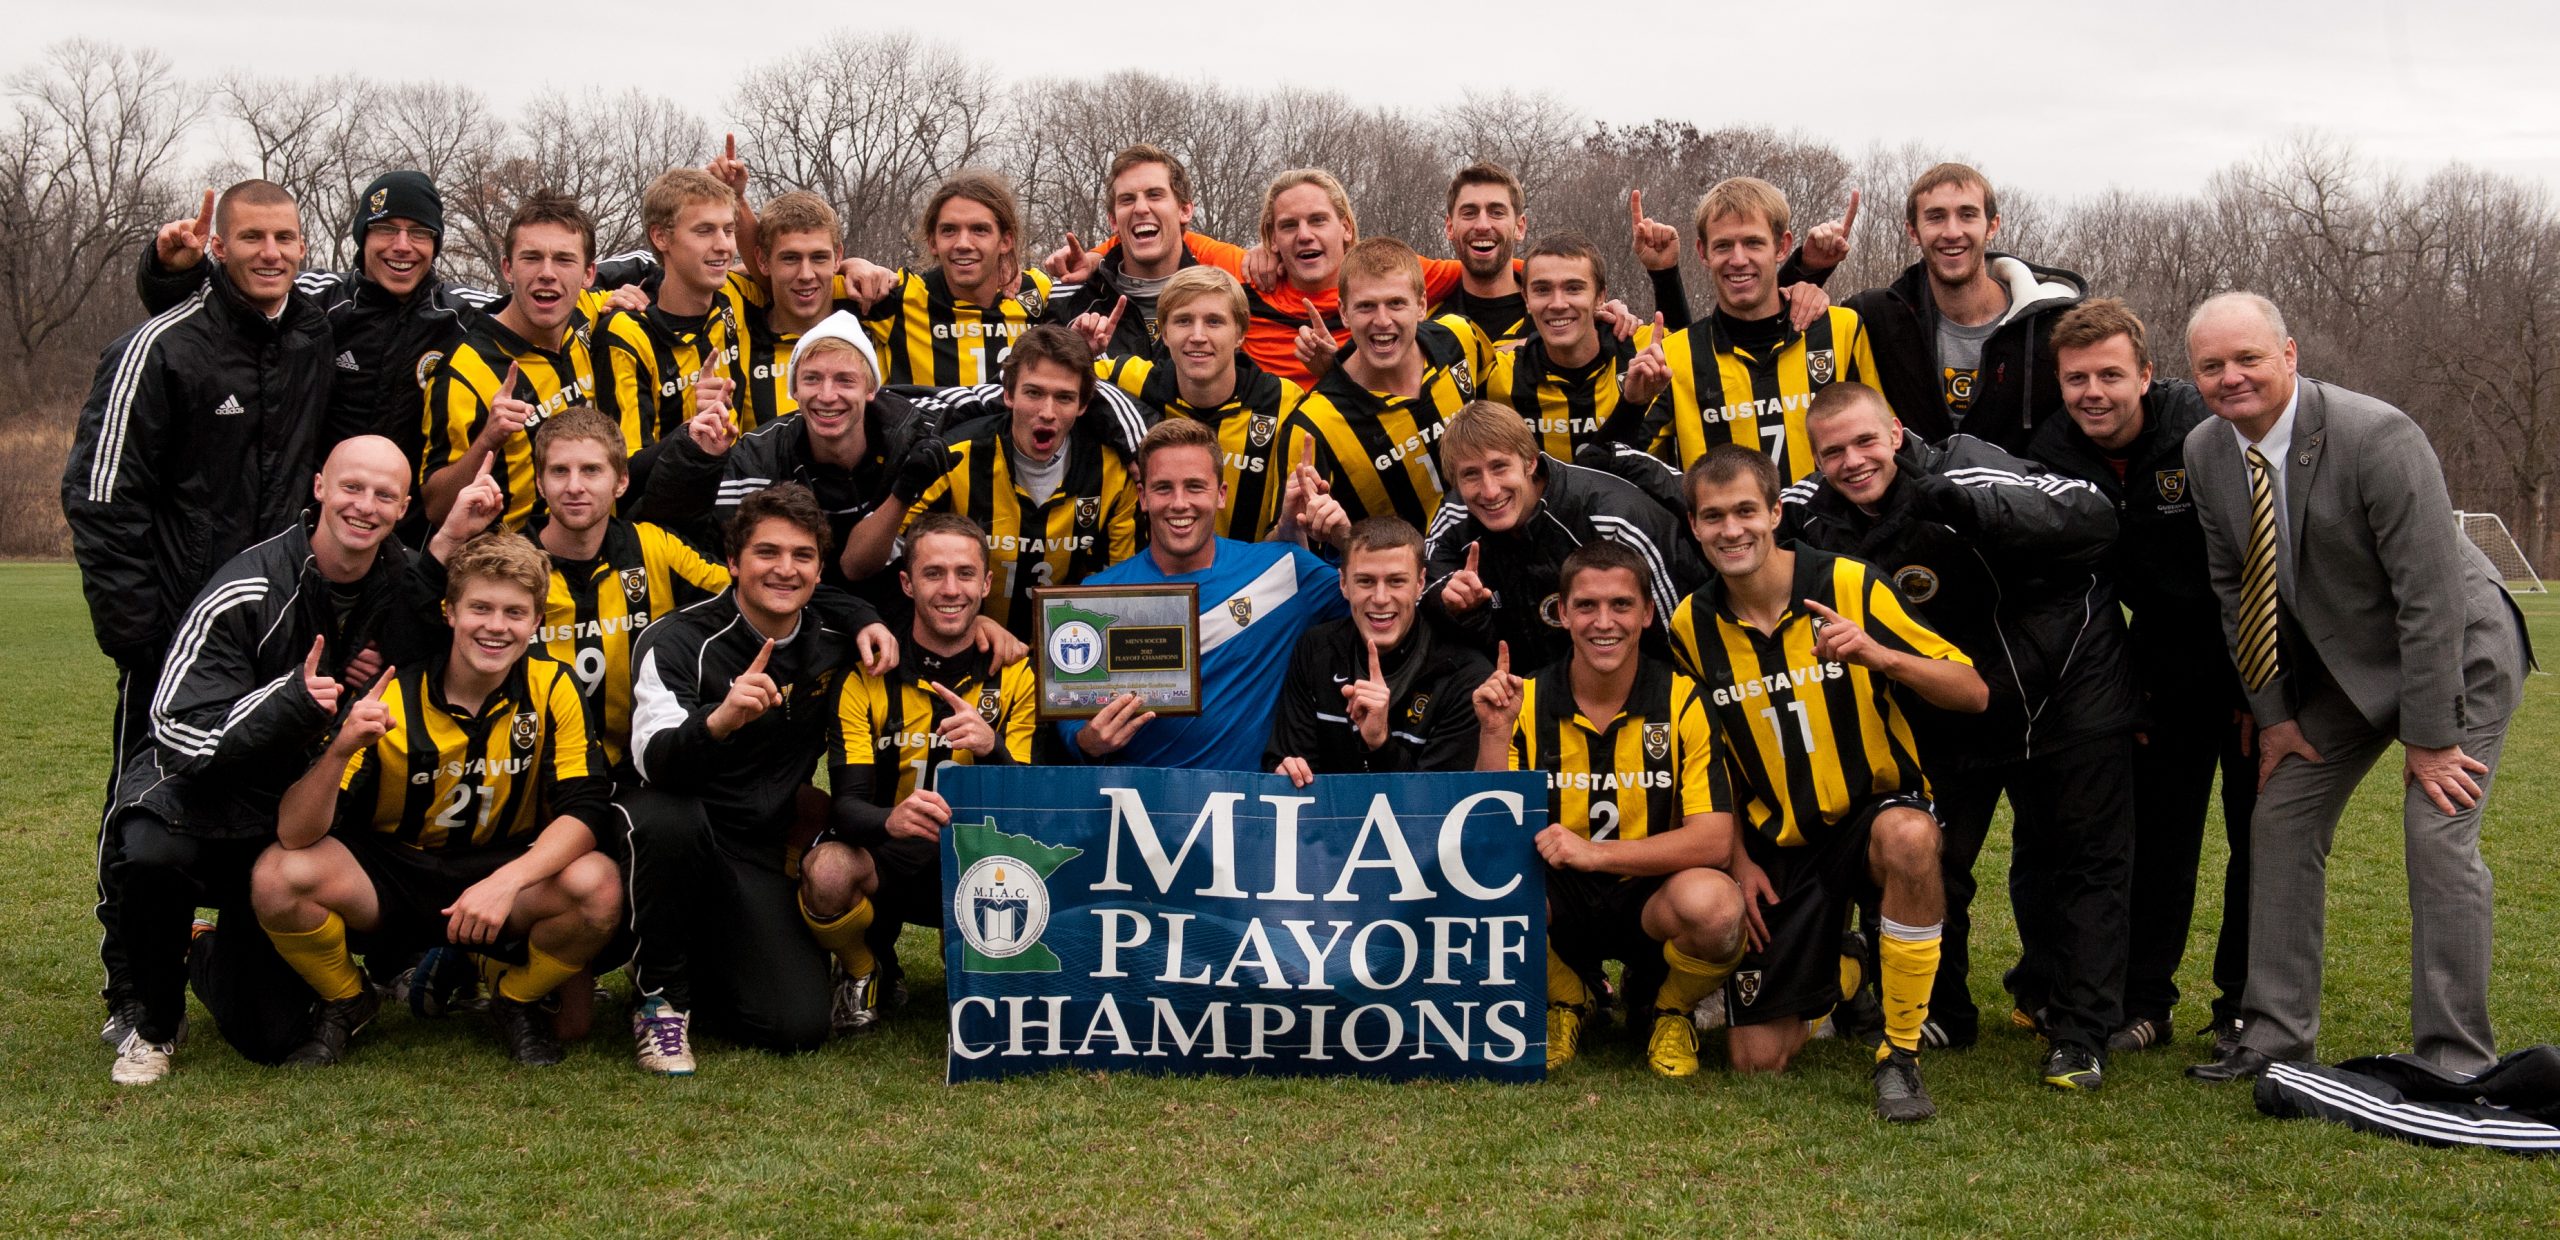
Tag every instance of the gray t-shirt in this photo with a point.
(1039, 479)
(1142, 293)
(1959, 358)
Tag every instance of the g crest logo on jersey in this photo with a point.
(1460, 374)
(635, 587)
(1551, 611)
(1088, 512)
(987, 702)
(1819, 367)
(1746, 985)
(1657, 741)
(1259, 432)
(528, 726)
(1916, 582)
(1413, 713)
(1031, 298)
(2173, 485)
(427, 363)
(1241, 607)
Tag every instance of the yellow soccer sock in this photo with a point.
(1853, 974)
(539, 975)
(1906, 968)
(320, 955)
(843, 936)
(1691, 979)
(1563, 984)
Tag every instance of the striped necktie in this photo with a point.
(2256, 652)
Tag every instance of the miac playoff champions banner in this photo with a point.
(1228, 922)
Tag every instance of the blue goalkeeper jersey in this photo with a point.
(1255, 600)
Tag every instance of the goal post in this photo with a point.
(2488, 531)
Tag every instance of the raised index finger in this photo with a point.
(1824, 612)
(732, 152)
(1635, 208)
(1849, 218)
(507, 386)
(1502, 658)
(311, 665)
(380, 683)
(1375, 672)
(204, 216)
(1471, 557)
(762, 656)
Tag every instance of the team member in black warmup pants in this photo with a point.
(731, 706)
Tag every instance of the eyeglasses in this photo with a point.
(418, 234)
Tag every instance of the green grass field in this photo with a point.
(429, 1129)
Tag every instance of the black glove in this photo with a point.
(927, 459)
(1936, 498)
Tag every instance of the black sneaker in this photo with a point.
(333, 1025)
(2141, 1035)
(2225, 1032)
(1900, 1097)
(2072, 1067)
(526, 1030)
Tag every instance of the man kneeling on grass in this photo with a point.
(1805, 657)
(457, 804)
(1640, 813)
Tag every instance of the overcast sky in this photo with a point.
(2062, 98)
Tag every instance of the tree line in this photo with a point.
(2440, 294)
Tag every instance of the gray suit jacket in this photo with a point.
(2407, 616)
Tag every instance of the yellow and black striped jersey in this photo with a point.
(465, 382)
(1568, 406)
(1088, 525)
(1380, 452)
(1639, 773)
(1248, 427)
(596, 609)
(1723, 393)
(445, 779)
(1807, 739)
(647, 373)
(928, 336)
(885, 724)
(763, 367)
(1503, 320)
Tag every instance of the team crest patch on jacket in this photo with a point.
(1259, 432)
(1088, 512)
(1819, 367)
(1241, 608)
(1657, 741)
(1464, 377)
(1031, 298)
(635, 586)
(1916, 582)
(2173, 485)
(427, 363)
(528, 726)
(1551, 611)
(987, 702)
(1421, 705)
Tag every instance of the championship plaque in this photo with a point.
(1094, 643)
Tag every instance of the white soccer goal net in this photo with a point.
(2489, 533)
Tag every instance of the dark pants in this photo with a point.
(2173, 781)
(718, 925)
(162, 877)
(2070, 869)
(134, 689)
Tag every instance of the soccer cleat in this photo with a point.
(445, 980)
(857, 1003)
(1900, 1097)
(140, 1061)
(2225, 1031)
(2072, 1067)
(1564, 1033)
(333, 1025)
(1673, 1049)
(2141, 1035)
(664, 1037)
(526, 1030)
(126, 1017)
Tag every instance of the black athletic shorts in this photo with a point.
(1819, 882)
(413, 887)
(910, 892)
(1592, 918)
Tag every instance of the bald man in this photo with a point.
(2357, 615)
(278, 643)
